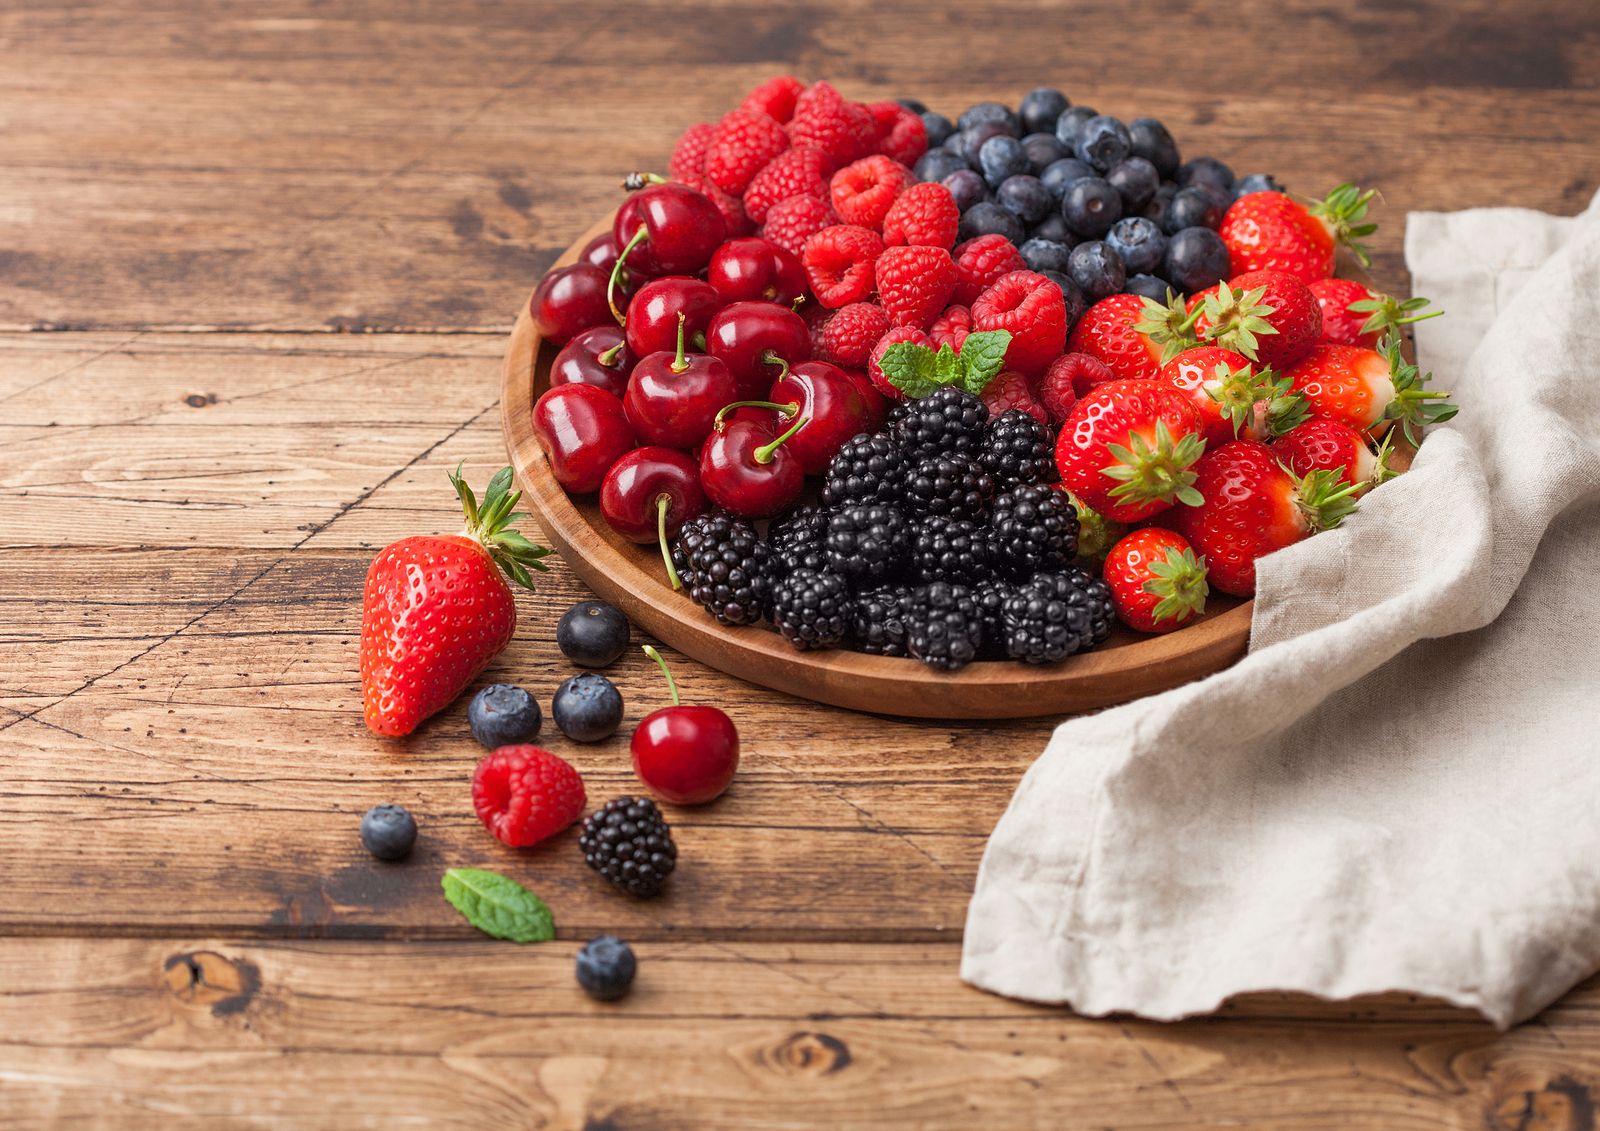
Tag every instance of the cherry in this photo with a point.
(877, 403)
(744, 469)
(570, 300)
(597, 357)
(673, 398)
(686, 755)
(833, 406)
(666, 229)
(601, 251)
(758, 341)
(583, 431)
(652, 322)
(754, 270)
(649, 494)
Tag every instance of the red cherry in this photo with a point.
(753, 270)
(652, 323)
(597, 357)
(583, 431)
(744, 469)
(601, 251)
(673, 398)
(667, 229)
(833, 406)
(686, 755)
(877, 403)
(569, 301)
(758, 341)
(649, 494)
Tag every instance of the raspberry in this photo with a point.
(1009, 390)
(951, 328)
(839, 262)
(862, 192)
(689, 155)
(794, 172)
(790, 223)
(922, 214)
(914, 283)
(1069, 377)
(898, 334)
(902, 135)
(774, 98)
(744, 142)
(981, 261)
(1033, 309)
(734, 221)
(849, 334)
(824, 120)
(525, 794)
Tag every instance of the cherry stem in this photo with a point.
(609, 357)
(763, 454)
(633, 182)
(680, 363)
(672, 684)
(663, 501)
(616, 272)
(787, 410)
(770, 357)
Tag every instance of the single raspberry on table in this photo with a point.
(525, 794)
(1009, 389)
(952, 327)
(1069, 377)
(847, 336)
(863, 191)
(915, 283)
(902, 135)
(923, 214)
(1033, 309)
(912, 334)
(735, 222)
(790, 223)
(982, 260)
(774, 98)
(743, 143)
(689, 155)
(794, 172)
(839, 263)
(825, 120)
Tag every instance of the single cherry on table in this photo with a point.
(684, 754)
(758, 341)
(673, 398)
(583, 431)
(597, 357)
(746, 469)
(652, 321)
(649, 494)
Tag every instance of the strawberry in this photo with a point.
(1033, 309)
(1368, 390)
(525, 794)
(435, 610)
(1327, 445)
(1270, 231)
(914, 283)
(1118, 332)
(1353, 315)
(1233, 396)
(1156, 582)
(1128, 449)
(1253, 506)
(1096, 533)
(1269, 316)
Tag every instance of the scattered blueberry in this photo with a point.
(1097, 270)
(606, 967)
(592, 634)
(966, 187)
(503, 715)
(990, 112)
(1043, 150)
(1059, 174)
(1026, 197)
(1054, 228)
(1196, 259)
(1136, 181)
(1001, 158)
(987, 218)
(1255, 182)
(1149, 286)
(587, 708)
(1103, 142)
(1192, 208)
(1152, 141)
(1045, 255)
(1139, 243)
(939, 128)
(973, 140)
(1091, 206)
(913, 105)
(1206, 170)
(1040, 108)
(1070, 124)
(388, 832)
(937, 164)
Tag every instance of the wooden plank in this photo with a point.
(201, 1032)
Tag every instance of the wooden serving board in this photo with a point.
(631, 577)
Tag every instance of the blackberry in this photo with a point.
(811, 608)
(1053, 615)
(991, 595)
(867, 469)
(951, 549)
(629, 843)
(1017, 449)
(877, 624)
(795, 541)
(867, 541)
(944, 627)
(1034, 529)
(950, 486)
(948, 421)
(722, 563)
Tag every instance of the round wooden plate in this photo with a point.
(631, 577)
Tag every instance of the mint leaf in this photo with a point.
(946, 366)
(911, 368)
(498, 906)
(983, 355)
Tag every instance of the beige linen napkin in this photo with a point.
(1399, 787)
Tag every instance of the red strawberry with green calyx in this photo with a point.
(1157, 584)
(1370, 391)
(1128, 449)
(1355, 315)
(1270, 317)
(1272, 231)
(1233, 396)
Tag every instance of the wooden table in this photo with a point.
(256, 267)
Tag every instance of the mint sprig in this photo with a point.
(499, 906)
(917, 370)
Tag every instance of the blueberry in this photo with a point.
(990, 112)
(939, 128)
(606, 967)
(1149, 286)
(1156, 210)
(1071, 123)
(1043, 255)
(957, 143)
(1040, 108)
(1103, 142)
(973, 140)
(1192, 208)
(1025, 196)
(1091, 206)
(1136, 181)
(1001, 158)
(1255, 182)
(988, 219)
(1206, 170)
(913, 105)
(967, 188)
(1152, 142)
(1059, 174)
(1043, 150)
(388, 832)
(587, 708)
(503, 715)
(937, 164)
(1139, 242)
(1097, 270)
(1076, 304)
(1054, 228)
(1196, 259)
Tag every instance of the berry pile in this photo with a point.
(968, 390)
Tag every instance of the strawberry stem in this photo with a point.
(672, 684)
(1160, 472)
(1180, 582)
(490, 524)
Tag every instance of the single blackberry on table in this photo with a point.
(944, 627)
(812, 608)
(722, 563)
(629, 843)
(867, 541)
(877, 624)
(950, 486)
(1018, 449)
(867, 469)
(1034, 529)
(1053, 615)
(951, 549)
(948, 421)
(991, 595)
